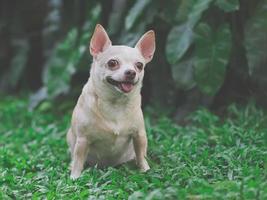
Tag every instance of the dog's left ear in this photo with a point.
(147, 45)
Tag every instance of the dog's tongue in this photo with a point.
(126, 87)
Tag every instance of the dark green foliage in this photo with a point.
(198, 54)
(18, 63)
(65, 60)
(183, 73)
(206, 69)
(181, 37)
(256, 44)
(209, 159)
(179, 40)
(210, 64)
(56, 51)
(136, 12)
(62, 64)
(228, 6)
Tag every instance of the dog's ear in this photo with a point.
(147, 45)
(99, 41)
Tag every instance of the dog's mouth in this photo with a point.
(124, 86)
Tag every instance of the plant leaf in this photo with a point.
(197, 10)
(18, 62)
(64, 61)
(183, 10)
(183, 74)
(57, 75)
(135, 12)
(212, 55)
(132, 36)
(181, 37)
(256, 43)
(179, 40)
(228, 5)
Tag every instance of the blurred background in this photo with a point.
(209, 52)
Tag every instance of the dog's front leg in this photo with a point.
(140, 147)
(79, 157)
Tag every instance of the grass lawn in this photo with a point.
(210, 158)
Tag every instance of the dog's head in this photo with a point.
(120, 68)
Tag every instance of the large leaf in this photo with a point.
(131, 36)
(135, 12)
(64, 60)
(197, 10)
(183, 10)
(228, 5)
(169, 13)
(61, 66)
(116, 17)
(212, 55)
(256, 43)
(180, 37)
(183, 74)
(178, 41)
(17, 65)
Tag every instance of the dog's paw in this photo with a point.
(75, 175)
(143, 167)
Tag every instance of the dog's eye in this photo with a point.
(112, 64)
(139, 66)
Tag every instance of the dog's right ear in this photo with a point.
(99, 41)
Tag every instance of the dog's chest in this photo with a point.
(112, 137)
(113, 127)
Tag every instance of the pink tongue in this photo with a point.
(126, 87)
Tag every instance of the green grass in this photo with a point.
(211, 158)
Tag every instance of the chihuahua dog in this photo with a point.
(107, 126)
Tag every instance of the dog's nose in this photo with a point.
(130, 74)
